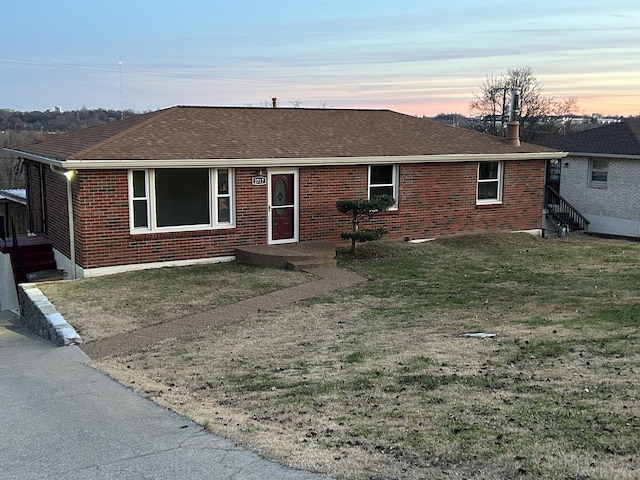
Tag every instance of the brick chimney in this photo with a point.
(513, 134)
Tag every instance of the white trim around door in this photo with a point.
(281, 203)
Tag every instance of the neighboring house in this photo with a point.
(190, 184)
(13, 220)
(13, 212)
(600, 176)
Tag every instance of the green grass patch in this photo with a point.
(376, 381)
(355, 357)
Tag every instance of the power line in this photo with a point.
(151, 73)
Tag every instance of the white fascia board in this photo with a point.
(604, 155)
(284, 162)
(38, 158)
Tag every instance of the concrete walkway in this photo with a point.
(330, 278)
(61, 419)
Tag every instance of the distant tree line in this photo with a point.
(540, 116)
(58, 120)
(19, 128)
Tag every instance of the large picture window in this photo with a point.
(180, 199)
(383, 180)
(489, 182)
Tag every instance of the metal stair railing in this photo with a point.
(562, 211)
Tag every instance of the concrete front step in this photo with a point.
(295, 256)
(310, 264)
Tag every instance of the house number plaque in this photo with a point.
(259, 181)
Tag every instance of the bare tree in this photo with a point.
(540, 115)
(490, 104)
(11, 172)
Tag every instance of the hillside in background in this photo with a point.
(19, 128)
(57, 120)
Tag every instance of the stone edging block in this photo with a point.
(39, 315)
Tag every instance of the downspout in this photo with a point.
(43, 205)
(68, 174)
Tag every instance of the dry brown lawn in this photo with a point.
(105, 306)
(377, 381)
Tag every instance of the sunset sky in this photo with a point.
(419, 57)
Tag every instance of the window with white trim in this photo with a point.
(598, 172)
(383, 180)
(174, 199)
(223, 196)
(139, 188)
(489, 182)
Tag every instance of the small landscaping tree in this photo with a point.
(359, 210)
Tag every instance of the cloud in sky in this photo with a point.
(406, 55)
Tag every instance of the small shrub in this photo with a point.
(360, 210)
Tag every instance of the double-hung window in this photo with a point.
(222, 194)
(173, 199)
(139, 188)
(489, 183)
(598, 172)
(383, 180)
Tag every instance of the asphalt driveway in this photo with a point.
(62, 419)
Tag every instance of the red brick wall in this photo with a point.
(103, 237)
(435, 200)
(320, 188)
(52, 218)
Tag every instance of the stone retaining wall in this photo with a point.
(39, 315)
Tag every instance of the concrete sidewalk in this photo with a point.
(62, 419)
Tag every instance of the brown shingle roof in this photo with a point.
(246, 133)
(616, 138)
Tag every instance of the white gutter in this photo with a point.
(283, 161)
(605, 155)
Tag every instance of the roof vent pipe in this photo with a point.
(274, 102)
(513, 127)
(514, 108)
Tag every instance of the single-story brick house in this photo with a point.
(600, 176)
(190, 184)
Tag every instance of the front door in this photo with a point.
(283, 206)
